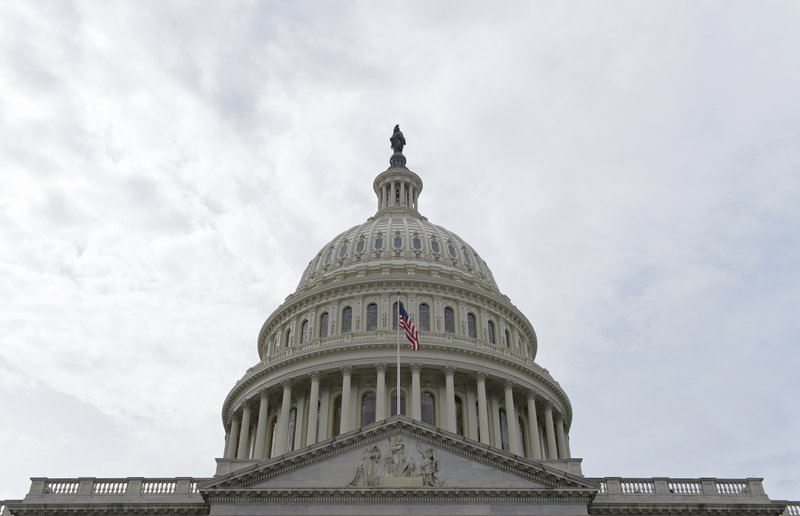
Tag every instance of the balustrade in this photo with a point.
(637, 487)
(115, 486)
(685, 487)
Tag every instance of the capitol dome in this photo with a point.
(328, 359)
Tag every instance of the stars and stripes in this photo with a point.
(408, 325)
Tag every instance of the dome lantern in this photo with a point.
(397, 187)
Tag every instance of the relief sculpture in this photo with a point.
(398, 468)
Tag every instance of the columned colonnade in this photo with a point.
(302, 411)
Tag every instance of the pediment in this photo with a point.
(399, 454)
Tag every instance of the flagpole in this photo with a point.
(397, 392)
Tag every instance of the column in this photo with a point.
(300, 399)
(233, 437)
(282, 439)
(345, 424)
(244, 433)
(561, 438)
(313, 406)
(380, 392)
(261, 429)
(511, 419)
(325, 403)
(472, 415)
(494, 410)
(416, 394)
(533, 427)
(483, 409)
(550, 432)
(450, 390)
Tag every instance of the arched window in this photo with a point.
(292, 427)
(424, 317)
(372, 317)
(508, 340)
(490, 329)
(471, 332)
(402, 402)
(323, 325)
(459, 416)
(428, 407)
(337, 416)
(347, 320)
(304, 331)
(288, 340)
(503, 429)
(368, 408)
(449, 320)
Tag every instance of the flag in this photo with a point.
(408, 325)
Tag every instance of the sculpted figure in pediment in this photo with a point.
(367, 472)
(397, 463)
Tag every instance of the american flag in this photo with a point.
(408, 325)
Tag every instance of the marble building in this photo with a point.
(314, 428)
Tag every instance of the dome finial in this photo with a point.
(397, 141)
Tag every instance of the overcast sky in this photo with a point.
(629, 170)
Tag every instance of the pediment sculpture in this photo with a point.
(398, 468)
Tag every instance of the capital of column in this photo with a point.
(508, 385)
(246, 404)
(416, 367)
(314, 375)
(480, 376)
(287, 384)
(449, 370)
(380, 367)
(532, 395)
(346, 370)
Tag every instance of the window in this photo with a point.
(398, 241)
(337, 416)
(288, 340)
(471, 333)
(428, 408)
(323, 325)
(451, 250)
(508, 339)
(292, 426)
(478, 419)
(435, 245)
(304, 331)
(416, 243)
(343, 249)
(449, 320)
(378, 242)
(503, 429)
(347, 320)
(490, 329)
(368, 408)
(424, 317)
(360, 245)
(394, 316)
(467, 258)
(459, 416)
(372, 317)
(328, 256)
(402, 402)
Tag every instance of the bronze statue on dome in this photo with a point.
(397, 140)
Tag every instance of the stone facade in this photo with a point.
(313, 428)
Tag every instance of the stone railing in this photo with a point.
(669, 487)
(133, 487)
(792, 509)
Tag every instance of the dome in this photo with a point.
(400, 236)
(330, 357)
